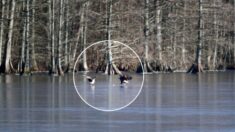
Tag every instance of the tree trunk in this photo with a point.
(234, 35)
(84, 35)
(145, 59)
(59, 55)
(22, 57)
(49, 37)
(52, 34)
(109, 69)
(197, 66)
(159, 29)
(175, 37)
(200, 34)
(6, 66)
(110, 66)
(27, 61)
(2, 29)
(33, 56)
(67, 44)
(146, 30)
(183, 38)
(74, 52)
(216, 38)
(146, 35)
(24, 61)
(73, 56)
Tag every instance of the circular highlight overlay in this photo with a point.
(108, 93)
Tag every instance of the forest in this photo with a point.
(169, 35)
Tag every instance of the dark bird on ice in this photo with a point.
(124, 78)
(91, 80)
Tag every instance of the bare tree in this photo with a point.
(200, 39)
(174, 37)
(197, 66)
(84, 33)
(183, 50)
(24, 65)
(234, 33)
(6, 66)
(216, 35)
(158, 21)
(2, 29)
(22, 57)
(110, 66)
(77, 40)
(59, 54)
(51, 4)
(33, 55)
(67, 44)
(27, 61)
(109, 69)
(146, 36)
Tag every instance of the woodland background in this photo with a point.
(169, 35)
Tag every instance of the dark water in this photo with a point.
(169, 102)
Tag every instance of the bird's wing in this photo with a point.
(88, 77)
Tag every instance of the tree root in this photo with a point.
(112, 69)
(156, 68)
(195, 68)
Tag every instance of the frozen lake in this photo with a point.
(168, 102)
(107, 94)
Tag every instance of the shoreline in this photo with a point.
(145, 73)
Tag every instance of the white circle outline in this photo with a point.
(108, 110)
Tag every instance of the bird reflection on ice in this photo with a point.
(123, 86)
